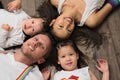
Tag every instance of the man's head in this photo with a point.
(37, 47)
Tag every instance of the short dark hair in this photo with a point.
(52, 43)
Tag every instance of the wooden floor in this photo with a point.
(110, 49)
(111, 46)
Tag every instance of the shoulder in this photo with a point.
(54, 2)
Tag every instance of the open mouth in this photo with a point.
(31, 48)
(69, 19)
(69, 64)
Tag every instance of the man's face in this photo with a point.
(36, 47)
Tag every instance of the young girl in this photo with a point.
(83, 12)
(70, 61)
(15, 27)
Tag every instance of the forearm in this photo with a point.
(105, 76)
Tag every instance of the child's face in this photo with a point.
(32, 26)
(67, 58)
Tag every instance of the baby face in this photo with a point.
(32, 26)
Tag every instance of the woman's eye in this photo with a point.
(69, 31)
(60, 27)
(33, 29)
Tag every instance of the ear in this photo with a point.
(52, 22)
(58, 62)
(41, 60)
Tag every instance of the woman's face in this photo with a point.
(67, 58)
(63, 27)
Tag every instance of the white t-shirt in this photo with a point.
(16, 36)
(11, 69)
(78, 74)
(91, 6)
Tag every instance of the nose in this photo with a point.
(66, 24)
(67, 58)
(36, 44)
(29, 26)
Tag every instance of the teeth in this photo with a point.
(31, 48)
(69, 19)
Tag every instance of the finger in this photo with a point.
(98, 67)
(9, 6)
(10, 28)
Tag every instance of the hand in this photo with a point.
(7, 27)
(14, 5)
(46, 73)
(103, 65)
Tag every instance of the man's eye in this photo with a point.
(42, 47)
(32, 22)
(36, 39)
(33, 29)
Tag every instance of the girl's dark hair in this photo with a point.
(82, 57)
(1, 5)
(48, 12)
(86, 36)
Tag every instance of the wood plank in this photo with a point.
(111, 45)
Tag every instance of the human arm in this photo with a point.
(98, 16)
(4, 31)
(54, 2)
(14, 5)
(7, 40)
(7, 27)
(103, 67)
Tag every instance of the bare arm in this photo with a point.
(92, 76)
(97, 17)
(103, 67)
(54, 2)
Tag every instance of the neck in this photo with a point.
(20, 57)
(69, 11)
